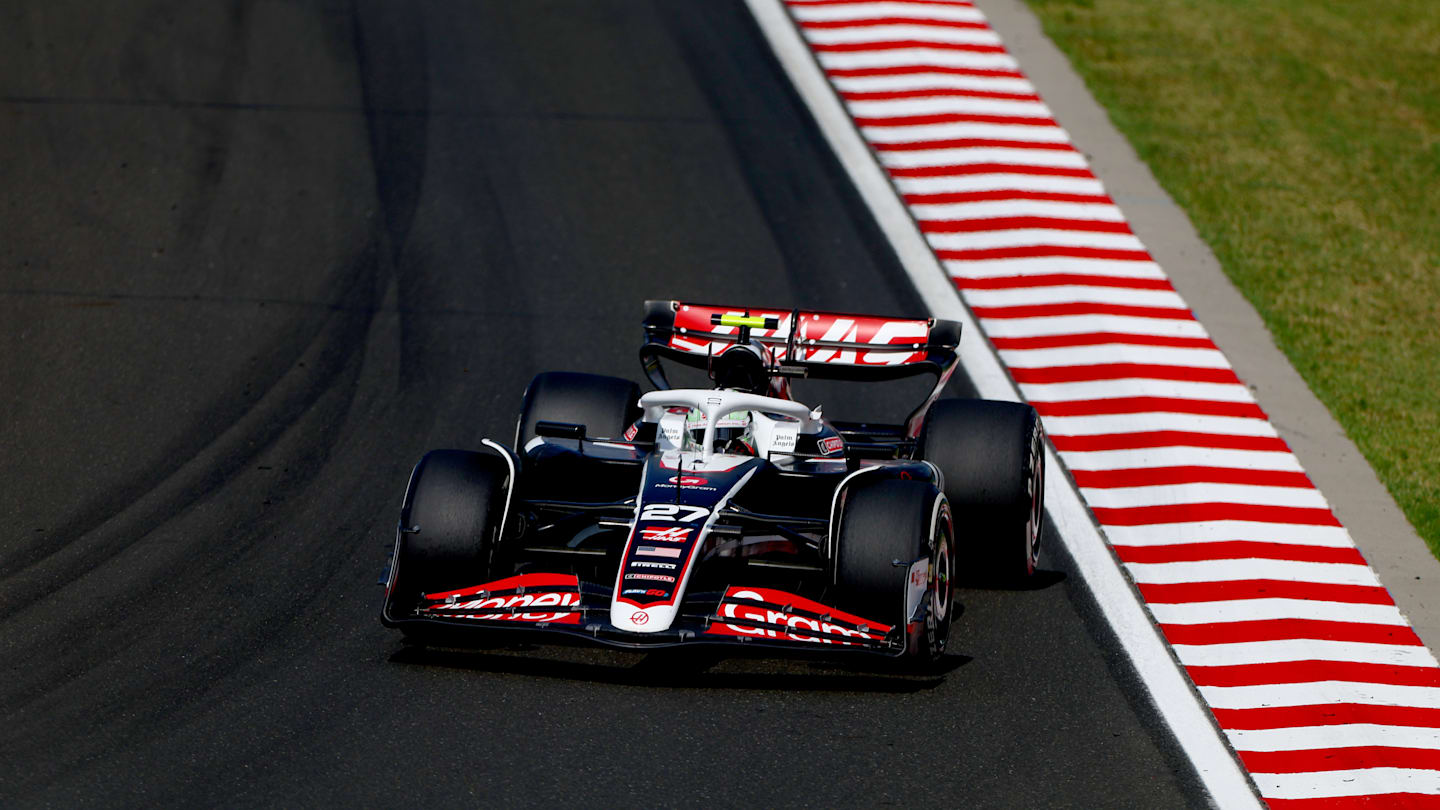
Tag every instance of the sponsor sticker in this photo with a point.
(689, 480)
(656, 551)
(671, 534)
(830, 445)
(677, 512)
(648, 564)
(825, 625)
(652, 577)
(466, 610)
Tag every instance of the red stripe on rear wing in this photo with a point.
(819, 337)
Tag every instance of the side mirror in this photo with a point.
(559, 430)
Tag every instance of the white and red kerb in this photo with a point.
(1317, 680)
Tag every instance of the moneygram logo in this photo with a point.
(466, 610)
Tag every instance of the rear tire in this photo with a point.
(888, 520)
(992, 456)
(455, 504)
(606, 406)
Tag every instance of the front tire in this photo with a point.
(450, 526)
(888, 521)
(992, 455)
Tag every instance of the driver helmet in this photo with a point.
(734, 433)
(741, 367)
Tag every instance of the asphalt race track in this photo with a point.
(258, 257)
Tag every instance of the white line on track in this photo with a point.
(1271, 652)
(1066, 294)
(1320, 693)
(1170, 691)
(1133, 387)
(1113, 353)
(1025, 237)
(1095, 212)
(917, 133)
(907, 31)
(929, 158)
(900, 107)
(1219, 531)
(1136, 422)
(996, 181)
(1253, 610)
(1120, 324)
(1232, 570)
(1122, 497)
(1182, 457)
(920, 57)
(932, 81)
(1376, 782)
(1048, 265)
(1337, 736)
(893, 8)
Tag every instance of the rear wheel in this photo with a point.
(606, 406)
(992, 456)
(450, 526)
(885, 527)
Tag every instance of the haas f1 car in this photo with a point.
(726, 515)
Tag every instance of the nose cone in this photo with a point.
(652, 619)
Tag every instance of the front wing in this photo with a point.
(560, 605)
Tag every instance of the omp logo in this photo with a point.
(689, 480)
(671, 534)
(534, 600)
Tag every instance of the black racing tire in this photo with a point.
(606, 406)
(450, 524)
(888, 520)
(992, 456)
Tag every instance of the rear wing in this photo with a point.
(803, 343)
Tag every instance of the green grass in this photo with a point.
(1303, 139)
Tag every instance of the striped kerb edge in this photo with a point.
(1318, 682)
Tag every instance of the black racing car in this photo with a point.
(725, 515)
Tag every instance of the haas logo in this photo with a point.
(639, 617)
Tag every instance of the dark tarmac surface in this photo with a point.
(258, 257)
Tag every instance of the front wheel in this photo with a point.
(449, 527)
(894, 562)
